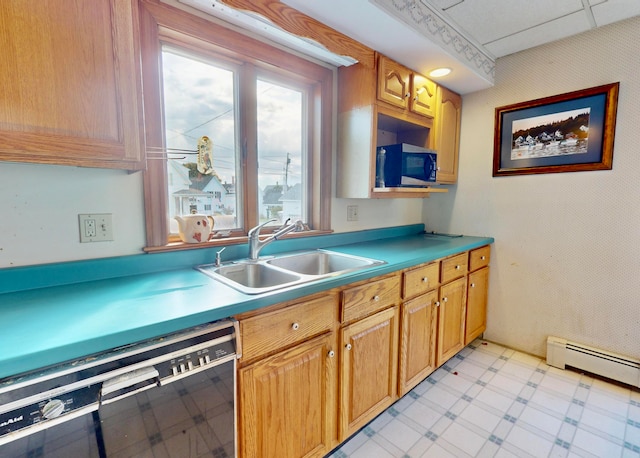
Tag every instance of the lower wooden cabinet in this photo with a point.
(314, 372)
(288, 403)
(477, 292)
(417, 341)
(451, 319)
(369, 362)
(477, 295)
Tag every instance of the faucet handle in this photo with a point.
(256, 230)
(219, 257)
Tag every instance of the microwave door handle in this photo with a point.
(430, 167)
(126, 384)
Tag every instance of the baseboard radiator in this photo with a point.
(561, 353)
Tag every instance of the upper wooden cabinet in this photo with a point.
(405, 89)
(447, 135)
(70, 83)
(423, 96)
(393, 82)
(381, 106)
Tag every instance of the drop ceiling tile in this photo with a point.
(615, 10)
(547, 32)
(491, 20)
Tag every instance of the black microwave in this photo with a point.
(405, 165)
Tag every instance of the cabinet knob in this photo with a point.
(425, 280)
(348, 347)
(295, 326)
(444, 299)
(482, 258)
(473, 285)
(407, 95)
(437, 303)
(458, 267)
(331, 354)
(376, 298)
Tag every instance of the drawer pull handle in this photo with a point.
(348, 347)
(331, 354)
(425, 280)
(295, 326)
(376, 298)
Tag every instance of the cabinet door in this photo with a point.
(288, 404)
(369, 362)
(418, 341)
(393, 82)
(451, 318)
(423, 96)
(447, 138)
(477, 304)
(70, 83)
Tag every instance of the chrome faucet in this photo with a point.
(255, 244)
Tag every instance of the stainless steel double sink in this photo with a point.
(283, 271)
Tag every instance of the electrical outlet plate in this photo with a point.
(352, 213)
(95, 227)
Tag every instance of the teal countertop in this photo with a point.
(52, 324)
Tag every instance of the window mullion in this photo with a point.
(249, 143)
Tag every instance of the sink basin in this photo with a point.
(321, 262)
(268, 274)
(251, 278)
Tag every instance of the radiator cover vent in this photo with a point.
(561, 353)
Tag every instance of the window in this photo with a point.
(199, 100)
(282, 165)
(263, 115)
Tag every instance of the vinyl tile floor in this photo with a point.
(490, 401)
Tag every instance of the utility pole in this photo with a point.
(286, 172)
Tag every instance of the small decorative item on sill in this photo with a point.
(205, 155)
(195, 228)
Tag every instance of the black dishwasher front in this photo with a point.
(172, 396)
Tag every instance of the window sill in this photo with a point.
(225, 241)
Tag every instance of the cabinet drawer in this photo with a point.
(266, 333)
(479, 258)
(420, 280)
(454, 267)
(360, 301)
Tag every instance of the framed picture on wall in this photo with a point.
(564, 133)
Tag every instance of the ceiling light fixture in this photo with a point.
(262, 26)
(438, 72)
